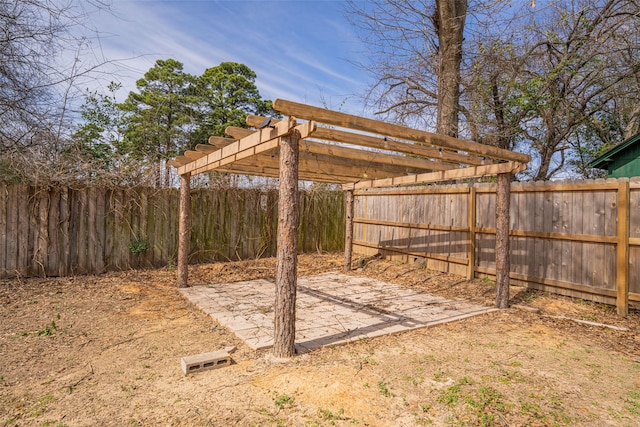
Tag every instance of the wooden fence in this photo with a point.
(60, 231)
(578, 239)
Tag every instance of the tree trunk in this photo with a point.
(449, 24)
(287, 250)
(184, 230)
(503, 264)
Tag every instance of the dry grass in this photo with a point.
(105, 350)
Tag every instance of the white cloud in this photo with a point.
(297, 49)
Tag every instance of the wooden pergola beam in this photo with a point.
(448, 159)
(220, 141)
(271, 172)
(415, 165)
(463, 173)
(345, 120)
(255, 143)
(327, 165)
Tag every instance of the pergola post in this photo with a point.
(348, 244)
(184, 230)
(287, 250)
(503, 265)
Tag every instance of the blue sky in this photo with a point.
(300, 50)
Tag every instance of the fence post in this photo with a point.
(184, 230)
(622, 250)
(471, 223)
(503, 264)
(348, 244)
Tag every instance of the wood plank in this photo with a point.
(11, 263)
(92, 227)
(552, 282)
(250, 143)
(444, 258)
(237, 132)
(399, 191)
(453, 174)
(99, 231)
(32, 268)
(417, 226)
(53, 226)
(64, 267)
(544, 187)
(417, 164)
(366, 160)
(336, 118)
(220, 141)
(23, 225)
(4, 193)
(442, 156)
(41, 253)
(622, 251)
(204, 148)
(327, 165)
(82, 238)
(195, 155)
(590, 238)
(471, 225)
(577, 227)
(244, 148)
(597, 253)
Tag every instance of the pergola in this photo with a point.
(316, 144)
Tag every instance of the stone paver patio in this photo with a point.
(331, 309)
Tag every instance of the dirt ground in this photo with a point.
(105, 351)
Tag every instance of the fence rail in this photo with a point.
(61, 231)
(578, 239)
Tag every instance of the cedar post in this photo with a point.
(348, 244)
(503, 265)
(622, 250)
(471, 223)
(287, 250)
(184, 230)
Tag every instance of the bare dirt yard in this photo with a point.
(105, 351)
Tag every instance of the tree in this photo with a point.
(448, 22)
(160, 115)
(417, 50)
(226, 94)
(35, 85)
(558, 82)
(576, 66)
(99, 136)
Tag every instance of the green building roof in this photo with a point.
(623, 160)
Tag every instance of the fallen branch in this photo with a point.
(587, 322)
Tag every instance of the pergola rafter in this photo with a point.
(341, 148)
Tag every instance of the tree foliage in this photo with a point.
(225, 95)
(171, 111)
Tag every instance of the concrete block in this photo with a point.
(205, 361)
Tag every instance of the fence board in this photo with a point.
(564, 236)
(12, 230)
(64, 234)
(24, 231)
(3, 229)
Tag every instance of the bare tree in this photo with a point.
(577, 68)
(558, 81)
(36, 78)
